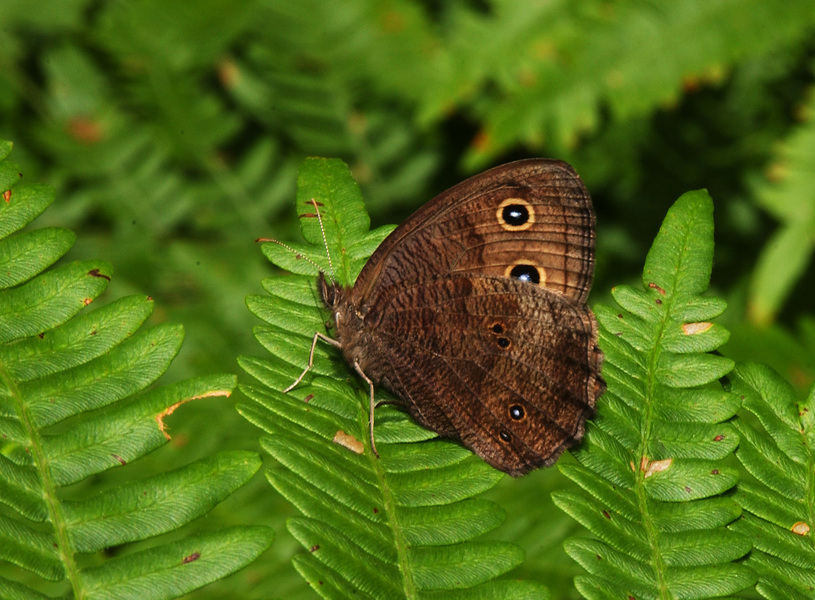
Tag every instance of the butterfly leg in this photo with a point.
(370, 383)
(317, 336)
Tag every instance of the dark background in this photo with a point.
(172, 131)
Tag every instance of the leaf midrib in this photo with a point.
(64, 547)
(651, 530)
(390, 506)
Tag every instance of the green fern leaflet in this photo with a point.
(76, 401)
(405, 525)
(778, 449)
(653, 465)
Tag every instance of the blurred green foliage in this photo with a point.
(172, 131)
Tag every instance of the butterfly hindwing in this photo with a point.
(506, 367)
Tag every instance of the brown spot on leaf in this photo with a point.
(654, 286)
(85, 130)
(314, 548)
(657, 466)
(694, 328)
(714, 472)
(87, 301)
(98, 273)
(309, 397)
(191, 558)
(482, 141)
(800, 528)
(119, 458)
(307, 215)
(718, 438)
(348, 441)
(606, 515)
(228, 73)
(7, 196)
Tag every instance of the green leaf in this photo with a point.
(76, 400)
(791, 200)
(561, 66)
(175, 569)
(400, 526)
(777, 449)
(653, 466)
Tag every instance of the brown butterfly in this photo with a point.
(473, 314)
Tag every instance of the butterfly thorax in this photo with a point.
(349, 327)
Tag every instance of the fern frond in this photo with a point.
(553, 85)
(403, 526)
(791, 200)
(778, 449)
(74, 403)
(653, 462)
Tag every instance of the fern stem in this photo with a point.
(668, 308)
(642, 497)
(49, 487)
(651, 390)
(810, 483)
(400, 544)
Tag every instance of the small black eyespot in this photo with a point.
(526, 273)
(505, 435)
(498, 328)
(516, 411)
(503, 342)
(515, 214)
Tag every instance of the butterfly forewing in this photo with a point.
(530, 219)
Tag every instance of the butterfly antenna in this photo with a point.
(298, 255)
(325, 240)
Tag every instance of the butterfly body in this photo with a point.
(472, 313)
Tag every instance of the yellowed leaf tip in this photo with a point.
(348, 441)
(162, 427)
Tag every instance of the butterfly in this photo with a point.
(473, 314)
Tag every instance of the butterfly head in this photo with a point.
(335, 297)
(329, 292)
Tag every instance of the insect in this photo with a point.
(473, 314)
